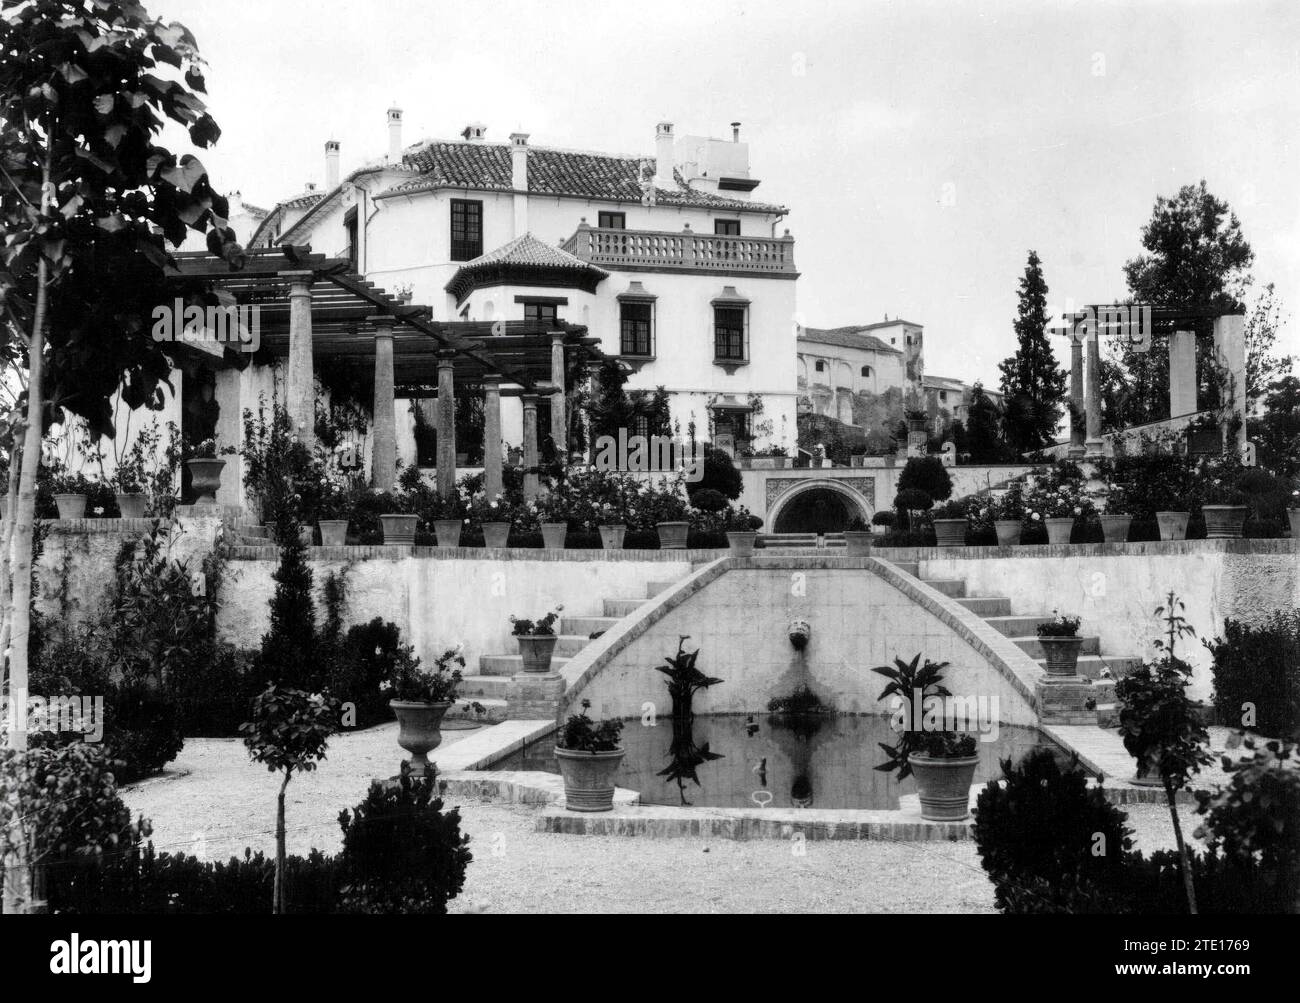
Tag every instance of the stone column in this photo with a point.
(1230, 352)
(531, 483)
(383, 470)
(492, 460)
(1076, 396)
(559, 420)
(230, 423)
(300, 392)
(1182, 373)
(446, 423)
(1094, 443)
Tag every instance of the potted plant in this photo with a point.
(943, 762)
(1115, 522)
(742, 531)
(669, 511)
(448, 516)
(552, 515)
(857, 538)
(332, 517)
(611, 535)
(70, 492)
(589, 754)
(950, 520)
(1061, 642)
(399, 528)
(1009, 516)
(1223, 506)
(1172, 525)
(420, 698)
(493, 517)
(128, 484)
(536, 640)
(1058, 506)
(205, 471)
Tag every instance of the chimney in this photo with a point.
(473, 132)
(394, 135)
(664, 156)
(519, 180)
(235, 200)
(735, 132)
(331, 164)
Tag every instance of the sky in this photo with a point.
(923, 148)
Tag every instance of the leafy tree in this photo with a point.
(1264, 367)
(929, 474)
(288, 734)
(983, 439)
(89, 203)
(1277, 430)
(1033, 385)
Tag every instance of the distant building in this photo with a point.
(946, 397)
(837, 363)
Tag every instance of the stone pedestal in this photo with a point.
(384, 453)
(1063, 700)
(534, 696)
(1182, 373)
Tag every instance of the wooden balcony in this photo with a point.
(684, 251)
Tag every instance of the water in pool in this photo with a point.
(763, 760)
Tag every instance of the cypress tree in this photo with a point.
(1033, 385)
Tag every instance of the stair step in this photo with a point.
(491, 685)
(1032, 647)
(1119, 666)
(494, 710)
(954, 587)
(986, 605)
(587, 625)
(508, 665)
(622, 607)
(1017, 626)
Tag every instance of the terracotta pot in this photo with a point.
(950, 532)
(1173, 525)
(1008, 531)
(672, 535)
(536, 650)
(419, 729)
(1059, 529)
(132, 504)
(588, 778)
(399, 530)
(1114, 528)
(1294, 516)
(1223, 522)
(780, 462)
(307, 534)
(741, 543)
(71, 506)
(448, 531)
(333, 532)
(1062, 655)
(857, 542)
(944, 786)
(496, 534)
(205, 478)
(611, 537)
(553, 534)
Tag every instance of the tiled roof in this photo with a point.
(255, 210)
(846, 337)
(528, 250)
(303, 200)
(518, 260)
(487, 167)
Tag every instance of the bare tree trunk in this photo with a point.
(6, 554)
(1183, 860)
(277, 905)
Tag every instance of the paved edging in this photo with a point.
(271, 552)
(1149, 548)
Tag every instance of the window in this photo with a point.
(636, 329)
(729, 333)
(547, 313)
(612, 220)
(466, 229)
(943, 396)
(866, 370)
(820, 366)
(726, 227)
(350, 228)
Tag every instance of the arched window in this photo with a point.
(866, 370)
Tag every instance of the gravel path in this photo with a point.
(214, 802)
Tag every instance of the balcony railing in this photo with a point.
(661, 250)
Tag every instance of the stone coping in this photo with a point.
(397, 553)
(1150, 548)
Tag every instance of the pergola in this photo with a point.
(311, 306)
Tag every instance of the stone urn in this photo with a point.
(944, 786)
(1061, 654)
(333, 532)
(1222, 522)
(496, 534)
(419, 729)
(448, 531)
(132, 504)
(1008, 531)
(588, 778)
(553, 534)
(950, 532)
(71, 506)
(536, 651)
(399, 530)
(857, 542)
(1059, 529)
(741, 543)
(611, 537)
(1173, 525)
(1114, 528)
(672, 535)
(205, 478)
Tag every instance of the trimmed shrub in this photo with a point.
(720, 475)
(884, 518)
(1259, 666)
(928, 474)
(215, 695)
(709, 500)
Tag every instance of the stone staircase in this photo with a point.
(1021, 629)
